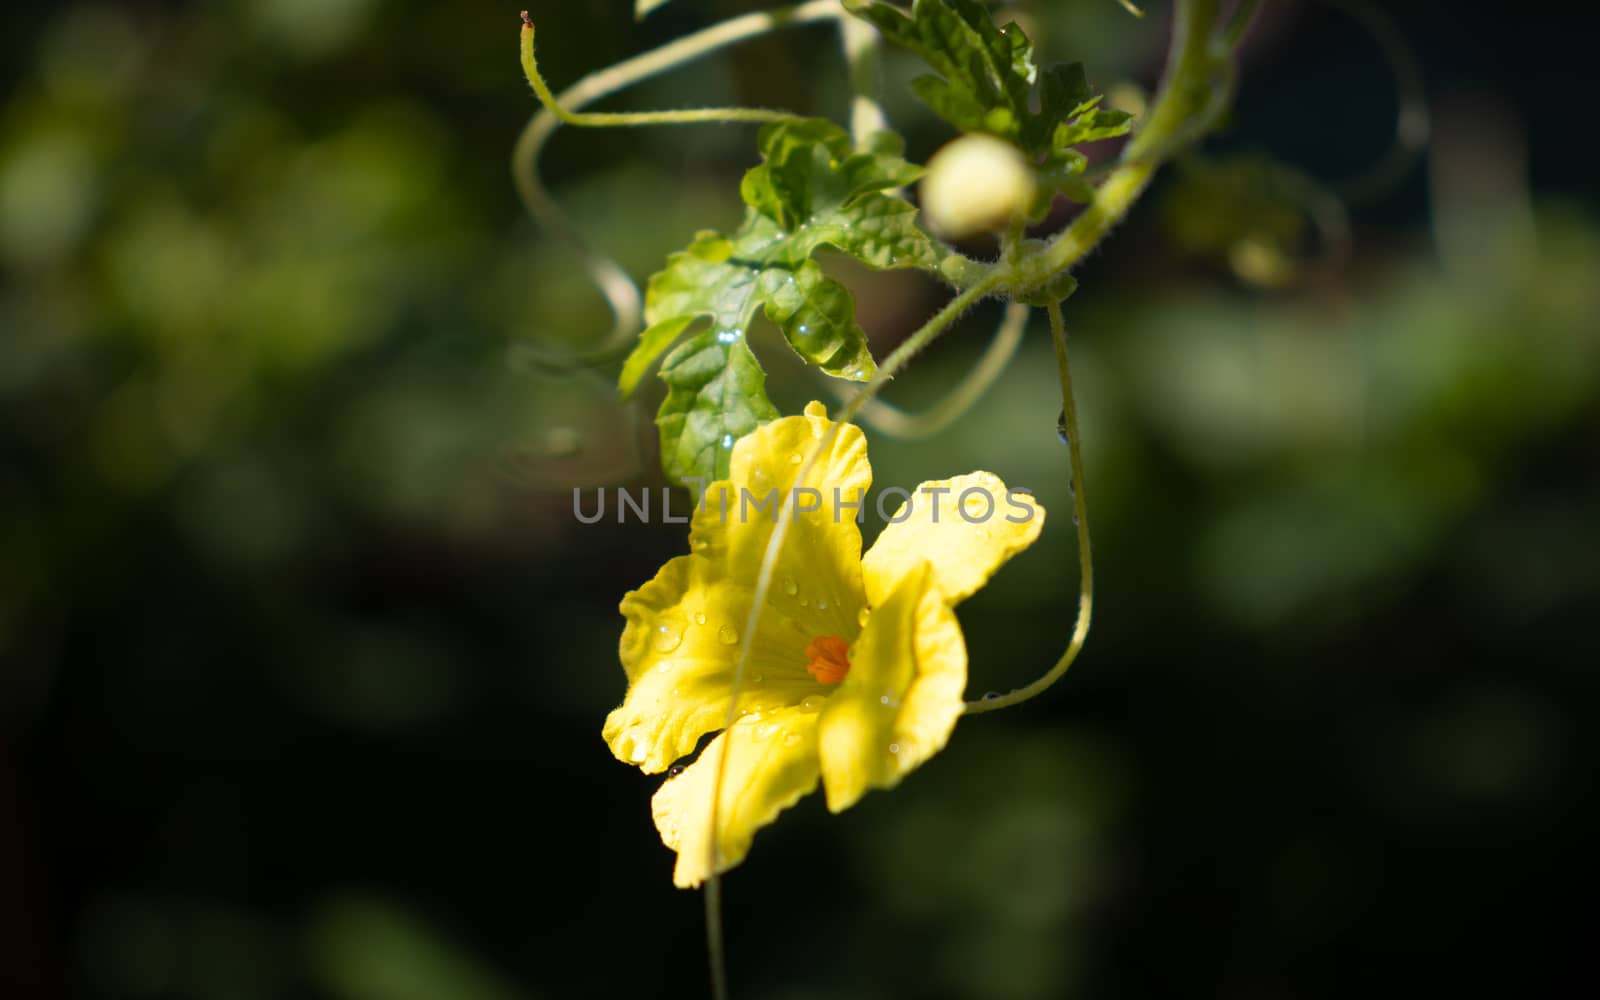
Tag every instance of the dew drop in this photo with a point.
(790, 739)
(991, 695)
(822, 604)
(1061, 428)
(699, 618)
(668, 637)
(762, 732)
(802, 329)
(790, 587)
(756, 678)
(885, 700)
(674, 770)
(894, 748)
(727, 336)
(805, 602)
(727, 442)
(862, 616)
(727, 635)
(813, 701)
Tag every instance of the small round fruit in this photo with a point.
(976, 184)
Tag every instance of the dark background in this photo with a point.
(303, 658)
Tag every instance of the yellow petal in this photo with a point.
(771, 763)
(902, 697)
(817, 578)
(685, 627)
(966, 528)
(680, 648)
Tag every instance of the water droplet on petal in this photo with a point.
(699, 618)
(862, 616)
(894, 748)
(790, 739)
(813, 701)
(805, 602)
(727, 336)
(727, 442)
(790, 587)
(822, 604)
(669, 636)
(794, 459)
(674, 770)
(756, 678)
(1061, 428)
(727, 635)
(802, 329)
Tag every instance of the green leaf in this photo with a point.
(987, 78)
(716, 394)
(652, 342)
(811, 190)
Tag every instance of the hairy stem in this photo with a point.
(1187, 90)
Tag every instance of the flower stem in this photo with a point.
(763, 587)
(715, 947)
(1080, 516)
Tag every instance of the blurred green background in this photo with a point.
(303, 658)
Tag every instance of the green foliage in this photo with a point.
(987, 80)
(810, 191)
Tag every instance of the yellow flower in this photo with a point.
(857, 666)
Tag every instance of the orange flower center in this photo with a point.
(827, 659)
